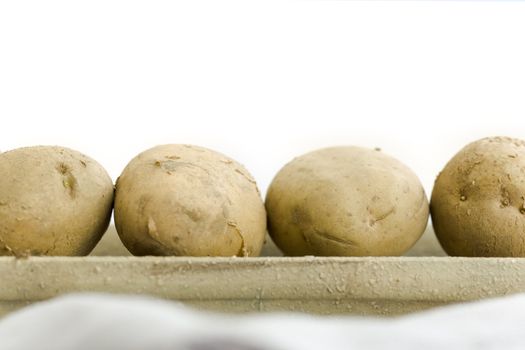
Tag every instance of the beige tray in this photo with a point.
(365, 286)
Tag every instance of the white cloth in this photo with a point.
(100, 322)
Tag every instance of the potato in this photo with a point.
(346, 201)
(188, 201)
(53, 201)
(478, 201)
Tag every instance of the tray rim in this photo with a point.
(361, 285)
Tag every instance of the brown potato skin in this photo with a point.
(53, 201)
(477, 203)
(346, 201)
(186, 200)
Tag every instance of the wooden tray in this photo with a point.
(364, 286)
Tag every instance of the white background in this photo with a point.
(261, 81)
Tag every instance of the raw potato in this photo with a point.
(188, 201)
(53, 201)
(478, 199)
(346, 201)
